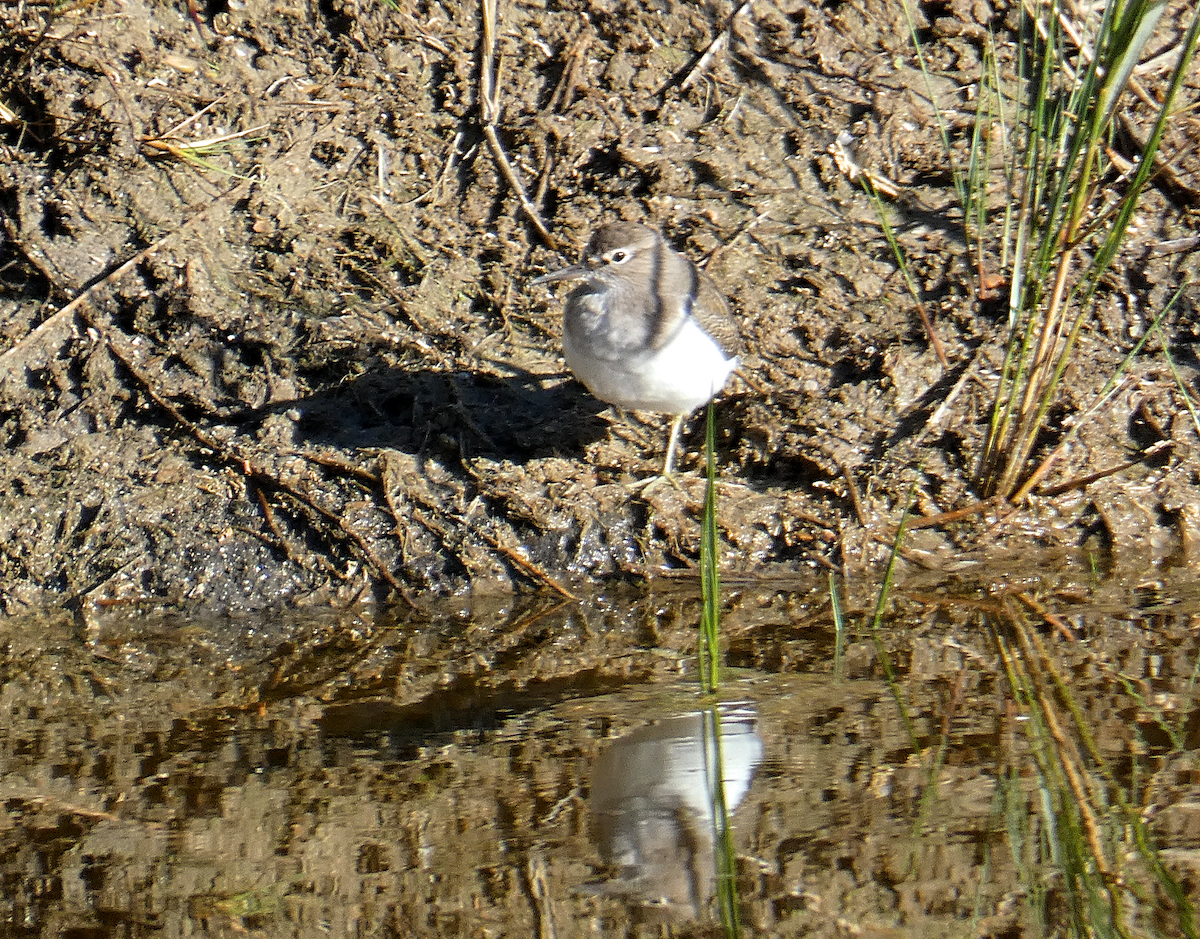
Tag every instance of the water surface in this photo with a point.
(536, 768)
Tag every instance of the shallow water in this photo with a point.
(545, 769)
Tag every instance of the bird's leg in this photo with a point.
(646, 485)
(672, 446)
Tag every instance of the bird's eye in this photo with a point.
(618, 257)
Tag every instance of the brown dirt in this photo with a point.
(314, 368)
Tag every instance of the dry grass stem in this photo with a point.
(489, 103)
(714, 48)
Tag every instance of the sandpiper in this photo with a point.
(646, 329)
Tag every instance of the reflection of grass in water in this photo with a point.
(1174, 729)
(1107, 871)
(1078, 837)
(881, 605)
(838, 611)
(724, 855)
(248, 908)
(930, 795)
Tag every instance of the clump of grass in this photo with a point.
(1074, 207)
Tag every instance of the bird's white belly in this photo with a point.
(677, 379)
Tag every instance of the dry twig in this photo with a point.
(489, 103)
(714, 47)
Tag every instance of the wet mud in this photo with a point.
(304, 363)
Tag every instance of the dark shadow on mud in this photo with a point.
(520, 418)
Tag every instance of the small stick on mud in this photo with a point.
(714, 48)
(527, 566)
(489, 103)
(565, 90)
(955, 515)
(1082, 482)
(194, 13)
(281, 542)
(855, 496)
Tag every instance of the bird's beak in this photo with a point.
(567, 273)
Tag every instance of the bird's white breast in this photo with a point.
(683, 375)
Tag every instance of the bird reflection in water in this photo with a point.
(661, 798)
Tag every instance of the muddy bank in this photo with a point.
(304, 363)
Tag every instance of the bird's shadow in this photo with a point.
(517, 418)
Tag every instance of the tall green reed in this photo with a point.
(724, 854)
(710, 581)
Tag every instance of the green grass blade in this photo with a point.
(710, 582)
